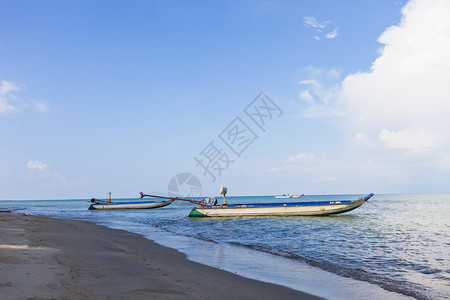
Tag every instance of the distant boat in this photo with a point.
(289, 196)
(101, 204)
(313, 208)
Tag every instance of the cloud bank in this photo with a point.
(406, 94)
(403, 101)
(397, 114)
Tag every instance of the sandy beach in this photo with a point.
(46, 258)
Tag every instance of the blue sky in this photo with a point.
(120, 96)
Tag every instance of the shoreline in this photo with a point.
(271, 268)
(42, 257)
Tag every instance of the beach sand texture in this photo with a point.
(46, 258)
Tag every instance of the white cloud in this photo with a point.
(319, 96)
(361, 137)
(36, 165)
(409, 139)
(40, 174)
(310, 81)
(299, 162)
(313, 72)
(306, 96)
(402, 102)
(332, 34)
(408, 85)
(317, 170)
(59, 178)
(334, 73)
(405, 93)
(319, 27)
(312, 22)
(5, 107)
(39, 105)
(10, 103)
(7, 86)
(302, 157)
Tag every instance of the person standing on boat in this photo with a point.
(223, 191)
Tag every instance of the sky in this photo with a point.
(265, 97)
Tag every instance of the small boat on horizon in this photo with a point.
(284, 196)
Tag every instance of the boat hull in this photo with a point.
(130, 205)
(279, 209)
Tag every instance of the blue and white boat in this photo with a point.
(101, 204)
(315, 208)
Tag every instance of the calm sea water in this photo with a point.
(392, 246)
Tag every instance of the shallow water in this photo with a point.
(398, 242)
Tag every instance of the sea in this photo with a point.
(392, 247)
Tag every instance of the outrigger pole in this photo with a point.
(171, 198)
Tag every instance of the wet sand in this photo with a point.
(46, 258)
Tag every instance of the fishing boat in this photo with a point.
(289, 196)
(102, 204)
(313, 208)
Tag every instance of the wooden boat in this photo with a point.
(101, 204)
(289, 196)
(315, 208)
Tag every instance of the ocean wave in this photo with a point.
(397, 286)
